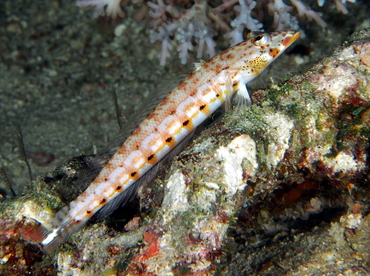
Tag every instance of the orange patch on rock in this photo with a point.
(150, 250)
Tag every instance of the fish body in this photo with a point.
(167, 125)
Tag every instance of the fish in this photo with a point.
(165, 128)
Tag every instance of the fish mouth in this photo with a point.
(290, 39)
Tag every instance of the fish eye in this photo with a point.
(261, 40)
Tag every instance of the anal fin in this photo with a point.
(129, 194)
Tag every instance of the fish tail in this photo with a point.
(62, 227)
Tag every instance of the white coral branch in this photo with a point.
(304, 10)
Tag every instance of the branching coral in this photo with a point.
(192, 25)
